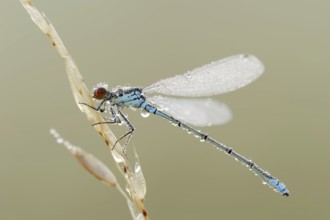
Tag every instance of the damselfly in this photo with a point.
(215, 78)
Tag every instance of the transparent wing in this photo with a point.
(215, 78)
(197, 112)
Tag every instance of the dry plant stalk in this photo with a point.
(135, 182)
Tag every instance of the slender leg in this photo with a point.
(115, 120)
(129, 133)
(96, 109)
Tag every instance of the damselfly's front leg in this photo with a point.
(99, 108)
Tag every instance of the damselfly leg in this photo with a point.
(117, 117)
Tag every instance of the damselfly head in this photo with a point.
(100, 91)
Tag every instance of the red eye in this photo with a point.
(99, 93)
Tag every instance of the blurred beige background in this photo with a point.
(281, 121)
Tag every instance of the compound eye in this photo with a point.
(99, 93)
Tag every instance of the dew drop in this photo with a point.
(173, 123)
(59, 140)
(145, 114)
